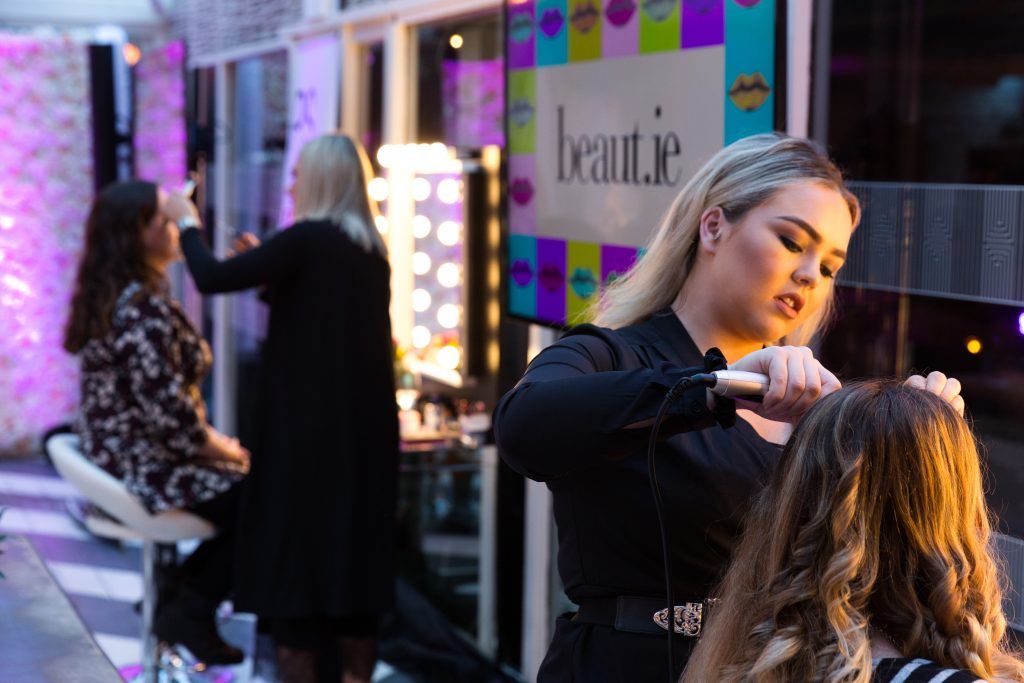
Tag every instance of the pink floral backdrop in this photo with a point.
(160, 115)
(46, 186)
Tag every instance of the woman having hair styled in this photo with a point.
(315, 552)
(740, 274)
(141, 415)
(868, 557)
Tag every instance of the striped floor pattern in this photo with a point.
(102, 579)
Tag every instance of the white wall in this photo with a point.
(132, 14)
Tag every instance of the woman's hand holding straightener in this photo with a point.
(796, 380)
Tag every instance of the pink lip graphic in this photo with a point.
(700, 6)
(747, 3)
(522, 273)
(619, 12)
(551, 277)
(521, 190)
(551, 22)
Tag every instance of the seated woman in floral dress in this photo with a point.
(142, 418)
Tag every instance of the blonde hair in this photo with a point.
(739, 178)
(875, 514)
(331, 184)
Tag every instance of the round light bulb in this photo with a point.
(420, 226)
(973, 346)
(448, 233)
(6, 222)
(420, 263)
(420, 189)
(386, 155)
(449, 357)
(378, 189)
(448, 316)
(420, 300)
(455, 41)
(448, 275)
(439, 151)
(448, 190)
(421, 337)
(382, 224)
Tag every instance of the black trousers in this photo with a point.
(207, 571)
(600, 654)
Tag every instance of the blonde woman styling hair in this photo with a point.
(739, 274)
(868, 557)
(732, 183)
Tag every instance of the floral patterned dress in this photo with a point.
(142, 417)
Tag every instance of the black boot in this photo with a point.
(189, 619)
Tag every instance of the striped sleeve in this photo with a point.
(919, 671)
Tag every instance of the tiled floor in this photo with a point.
(102, 579)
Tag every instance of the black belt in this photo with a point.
(644, 615)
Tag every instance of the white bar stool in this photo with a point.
(136, 524)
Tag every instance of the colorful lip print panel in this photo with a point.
(583, 266)
(522, 188)
(584, 30)
(620, 36)
(615, 261)
(522, 111)
(520, 35)
(659, 25)
(522, 276)
(552, 17)
(749, 68)
(551, 280)
(703, 23)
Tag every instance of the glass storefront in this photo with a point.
(923, 105)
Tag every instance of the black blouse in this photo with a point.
(572, 422)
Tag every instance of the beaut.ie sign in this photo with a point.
(611, 107)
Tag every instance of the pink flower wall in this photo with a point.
(45, 191)
(160, 115)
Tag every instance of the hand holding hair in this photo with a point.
(940, 385)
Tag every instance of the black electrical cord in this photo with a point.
(671, 397)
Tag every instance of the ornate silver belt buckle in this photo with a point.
(687, 618)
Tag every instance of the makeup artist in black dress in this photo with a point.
(740, 272)
(316, 528)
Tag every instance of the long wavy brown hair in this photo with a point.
(113, 257)
(874, 516)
